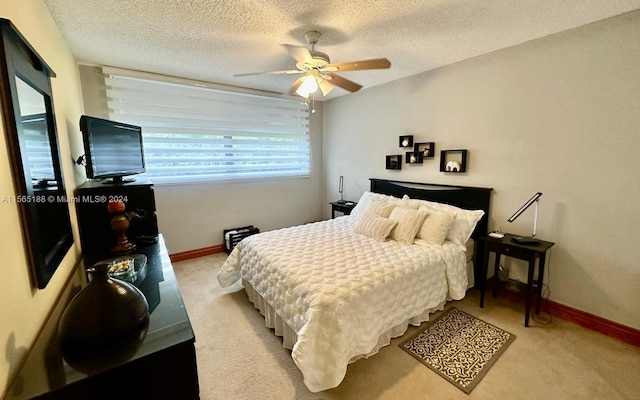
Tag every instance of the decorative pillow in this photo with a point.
(409, 222)
(463, 224)
(379, 208)
(365, 202)
(374, 226)
(436, 226)
(407, 202)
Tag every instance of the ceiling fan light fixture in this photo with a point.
(317, 72)
(308, 86)
(324, 85)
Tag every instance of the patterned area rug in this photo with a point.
(459, 347)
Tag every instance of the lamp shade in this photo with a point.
(308, 86)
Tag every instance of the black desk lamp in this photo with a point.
(528, 239)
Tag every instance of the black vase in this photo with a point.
(104, 323)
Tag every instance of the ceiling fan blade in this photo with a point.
(346, 84)
(299, 53)
(286, 71)
(378, 63)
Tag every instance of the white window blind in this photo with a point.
(36, 139)
(193, 133)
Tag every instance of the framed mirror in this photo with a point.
(29, 124)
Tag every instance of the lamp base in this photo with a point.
(525, 239)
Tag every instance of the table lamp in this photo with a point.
(528, 239)
(340, 190)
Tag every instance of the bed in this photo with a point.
(339, 290)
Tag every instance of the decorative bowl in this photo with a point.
(126, 268)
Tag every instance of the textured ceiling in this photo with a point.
(211, 40)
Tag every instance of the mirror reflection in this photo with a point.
(50, 208)
(33, 114)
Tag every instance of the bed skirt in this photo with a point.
(289, 336)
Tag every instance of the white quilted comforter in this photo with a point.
(340, 291)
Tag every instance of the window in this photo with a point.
(195, 133)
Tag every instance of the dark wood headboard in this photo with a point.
(469, 198)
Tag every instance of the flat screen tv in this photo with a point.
(113, 149)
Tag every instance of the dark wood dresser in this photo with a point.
(162, 367)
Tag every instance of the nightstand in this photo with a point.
(343, 207)
(528, 252)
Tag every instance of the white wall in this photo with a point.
(193, 216)
(557, 115)
(24, 309)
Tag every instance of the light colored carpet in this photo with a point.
(239, 358)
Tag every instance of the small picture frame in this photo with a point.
(406, 141)
(394, 161)
(413, 157)
(428, 149)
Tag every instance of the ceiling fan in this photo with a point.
(317, 70)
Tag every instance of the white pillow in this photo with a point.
(436, 226)
(406, 201)
(364, 203)
(374, 226)
(409, 222)
(464, 223)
